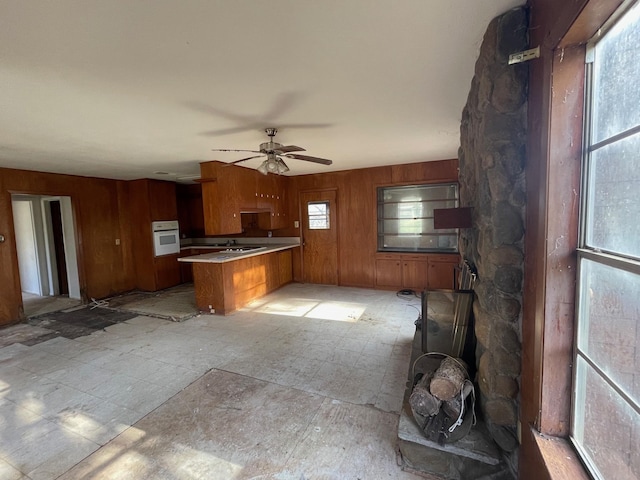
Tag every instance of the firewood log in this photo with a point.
(421, 400)
(453, 407)
(448, 379)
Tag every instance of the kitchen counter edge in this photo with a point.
(222, 257)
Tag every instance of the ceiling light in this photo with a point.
(282, 167)
(263, 167)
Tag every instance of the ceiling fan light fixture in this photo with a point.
(272, 165)
(282, 167)
(263, 167)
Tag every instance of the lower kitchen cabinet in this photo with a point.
(225, 287)
(415, 271)
(167, 271)
(442, 271)
(389, 272)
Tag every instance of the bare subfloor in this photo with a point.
(306, 383)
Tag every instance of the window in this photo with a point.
(606, 403)
(318, 215)
(405, 218)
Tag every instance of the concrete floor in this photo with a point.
(37, 305)
(306, 383)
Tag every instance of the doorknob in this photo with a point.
(1, 238)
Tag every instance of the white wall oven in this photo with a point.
(166, 238)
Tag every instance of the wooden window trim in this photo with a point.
(556, 109)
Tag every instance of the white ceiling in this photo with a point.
(121, 88)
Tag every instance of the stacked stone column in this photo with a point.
(492, 160)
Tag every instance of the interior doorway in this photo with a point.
(319, 237)
(46, 248)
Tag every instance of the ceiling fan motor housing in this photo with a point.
(270, 147)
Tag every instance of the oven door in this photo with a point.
(166, 241)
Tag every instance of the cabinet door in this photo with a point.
(272, 269)
(245, 180)
(389, 273)
(221, 198)
(220, 218)
(414, 274)
(162, 200)
(167, 271)
(442, 271)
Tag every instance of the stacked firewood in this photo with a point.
(438, 401)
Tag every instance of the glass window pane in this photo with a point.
(616, 73)
(318, 214)
(405, 218)
(609, 323)
(613, 222)
(605, 427)
(448, 243)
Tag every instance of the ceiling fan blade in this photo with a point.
(233, 150)
(323, 161)
(243, 159)
(290, 148)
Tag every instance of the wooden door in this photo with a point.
(319, 237)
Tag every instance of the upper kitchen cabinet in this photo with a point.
(226, 191)
(190, 212)
(153, 200)
(272, 197)
(229, 190)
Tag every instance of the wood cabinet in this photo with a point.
(389, 271)
(442, 271)
(225, 189)
(415, 272)
(229, 190)
(285, 266)
(225, 287)
(190, 212)
(150, 201)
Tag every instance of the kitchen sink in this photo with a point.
(242, 249)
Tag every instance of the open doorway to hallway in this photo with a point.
(47, 258)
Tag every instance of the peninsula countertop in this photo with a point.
(235, 252)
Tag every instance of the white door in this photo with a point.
(26, 244)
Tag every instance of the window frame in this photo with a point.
(590, 253)
(380, 219)
(326, 216)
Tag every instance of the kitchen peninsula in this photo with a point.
(231, 277)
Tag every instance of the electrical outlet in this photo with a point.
(117, 241)
(296, 224)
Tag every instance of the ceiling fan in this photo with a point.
(275, 152)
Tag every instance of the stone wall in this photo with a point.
(492, 158)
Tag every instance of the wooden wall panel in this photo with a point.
(10, 292)
(357, 210)
(103, 267)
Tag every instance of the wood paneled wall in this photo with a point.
(357, 210)
(100, 209)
